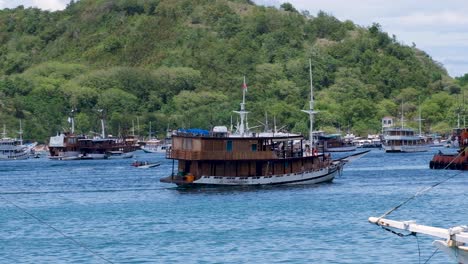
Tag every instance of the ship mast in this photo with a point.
(4, 131)
(311, 111)
(402, 118)
(243, 114)
(419, 119)
(103, 129)
(149, 133)
(72, 121)
(20, 132)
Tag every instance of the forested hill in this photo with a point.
(180, 63)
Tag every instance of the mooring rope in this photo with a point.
(423, 191)
(57, 230)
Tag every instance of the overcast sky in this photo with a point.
(438, 27)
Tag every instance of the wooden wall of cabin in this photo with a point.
(176, 143)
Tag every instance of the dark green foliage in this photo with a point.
(180, 63)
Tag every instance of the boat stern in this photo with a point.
(179, 179)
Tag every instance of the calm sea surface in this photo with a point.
(126, 215)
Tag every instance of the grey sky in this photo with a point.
(438, 27)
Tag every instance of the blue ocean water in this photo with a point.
(126, 215)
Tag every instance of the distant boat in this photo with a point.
(333, 142)
(401, 139)
(14, 149)
(145, 164)
(455, 238)
(68, 146)
(155, 146)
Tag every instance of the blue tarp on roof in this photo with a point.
(195, 131)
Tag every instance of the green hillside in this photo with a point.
(180, 63)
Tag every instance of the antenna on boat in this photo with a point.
(311, 111)
(419, 118)
(402, 118)
(464, 112)
(231, 127)
(138, 127)
(133, 128)
(71, 120)
(4, 131)
(20, 132)
(102, 123)
(243, 127)
(149, 132)
(267, 128)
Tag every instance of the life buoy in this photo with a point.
(315, 152)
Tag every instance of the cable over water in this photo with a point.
(76, 242)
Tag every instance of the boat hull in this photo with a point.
(458, 253)
(406, 148)
(16, 156)
(307, 177)
(449, 162)
(341, 149)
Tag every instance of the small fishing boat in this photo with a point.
(455, 238)
(145, 164)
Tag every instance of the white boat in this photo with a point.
(455, 239)
(155, 146)
(401, 139)
(14, 149)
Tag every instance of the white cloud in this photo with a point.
(438, 27)
(435, 20)
(52, 5)
(2, 4)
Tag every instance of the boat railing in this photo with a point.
(226, 155)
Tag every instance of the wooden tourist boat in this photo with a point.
(454, 161)
(455, 238)
(68, 146)
(219, 157)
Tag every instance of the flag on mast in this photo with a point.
(244, 85)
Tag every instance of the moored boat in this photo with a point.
(68, 146)
(401, 139)
(453, 161)
(245, 158)
(14, 149)
(333, 142)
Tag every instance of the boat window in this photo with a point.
(254, 147)
(229, 146)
